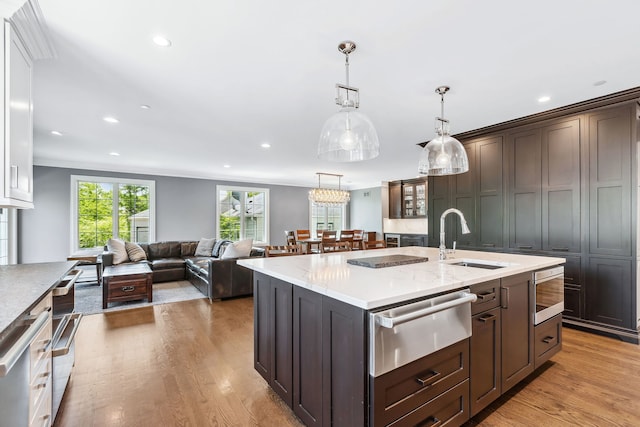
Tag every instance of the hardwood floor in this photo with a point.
(191, 364)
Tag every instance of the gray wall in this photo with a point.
(366, 210)
(185, 210)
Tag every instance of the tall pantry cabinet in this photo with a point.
(561, 183)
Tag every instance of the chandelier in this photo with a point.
(348, 135)
(328, 196)
(443, 155)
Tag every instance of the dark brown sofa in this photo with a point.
(216, 278)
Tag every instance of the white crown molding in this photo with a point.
(32, 29)
(9, 7)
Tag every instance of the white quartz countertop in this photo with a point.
(370, 288)
(23, 285)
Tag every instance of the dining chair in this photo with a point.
(347, 236)
(358, 239)
(330, 243)
(282, 250)
(290, 236)
(305, 235)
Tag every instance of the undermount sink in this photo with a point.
(479, 263)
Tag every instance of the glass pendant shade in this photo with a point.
(443, 155)
(348, 136)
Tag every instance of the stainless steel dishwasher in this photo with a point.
(402, 334)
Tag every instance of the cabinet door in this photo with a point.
(19, 168)
(261, 325)
(464, 199)
(439, 201)
(281, 319)
(395, 200)
(307, 356)
(489, 199)
(609, 293)
(517, 329)
(525, 168)
(485, 359)
(573, 291)
(561, 187)
(344, 364)
(610, 159)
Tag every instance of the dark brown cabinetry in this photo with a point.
(273, 341)
(548, 339)
(439, 201)
(517, 307)
(486, 346)
(408, 198)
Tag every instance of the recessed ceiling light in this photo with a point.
(113, 153)
(265, 145)
(56, 133)
(226, 166)
(162, 41)
(145, 107)
(544, 99)
(599, 82)
(110, 119)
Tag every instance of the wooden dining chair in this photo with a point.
(303, 234)
(348, 237)
(282, 250)
(330, 243)
(290, 236)
(312, 248)
(358, 239)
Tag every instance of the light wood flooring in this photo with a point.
(191, 364)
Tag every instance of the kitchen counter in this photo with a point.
(23, 285)
(370, 288)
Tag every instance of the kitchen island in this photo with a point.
(314, 337)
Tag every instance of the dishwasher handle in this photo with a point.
(22, 344)
(391, 322)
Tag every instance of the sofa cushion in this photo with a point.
(188, 249)
(216, 248)
(117, 247)
(238, 249)
(164, 250)
(205, 247)
(135, 252)
(165, 263)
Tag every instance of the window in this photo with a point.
(109, 207)
(327, 217)
(243, 214)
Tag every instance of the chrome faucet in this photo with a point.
(463, 223)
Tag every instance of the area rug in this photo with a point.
(89, 297)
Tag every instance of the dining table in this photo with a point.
(307, 244)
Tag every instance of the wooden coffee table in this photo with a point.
(126, 282)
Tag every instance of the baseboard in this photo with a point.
(627, 335)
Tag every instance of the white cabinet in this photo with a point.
(16, 168)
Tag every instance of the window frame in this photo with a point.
(221, 187)
(117, 181)
(343, 214)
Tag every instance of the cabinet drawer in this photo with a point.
(40, 415)
(548, 339)
(40, 388)
(405, 389)
(488, 296)
(40, 349)
(450, 408)
(126, 288)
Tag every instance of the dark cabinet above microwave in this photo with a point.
(408, 198)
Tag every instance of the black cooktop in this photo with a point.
(387, 261)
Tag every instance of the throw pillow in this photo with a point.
(135, 251)
(216, 248)
(204, 247)
(116, 246)
(238, 249)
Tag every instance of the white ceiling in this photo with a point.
(244, 72)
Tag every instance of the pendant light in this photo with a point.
(348, 135)
(327, 196)
(443, 155)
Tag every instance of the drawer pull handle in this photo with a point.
(548, 339)
(128, 288)
(432, 421)
(486, 296)
(433, 377)
(560, 249)
(525, 247)
(487, 317)
(489, 245)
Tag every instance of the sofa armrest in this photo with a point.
(107, 259)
